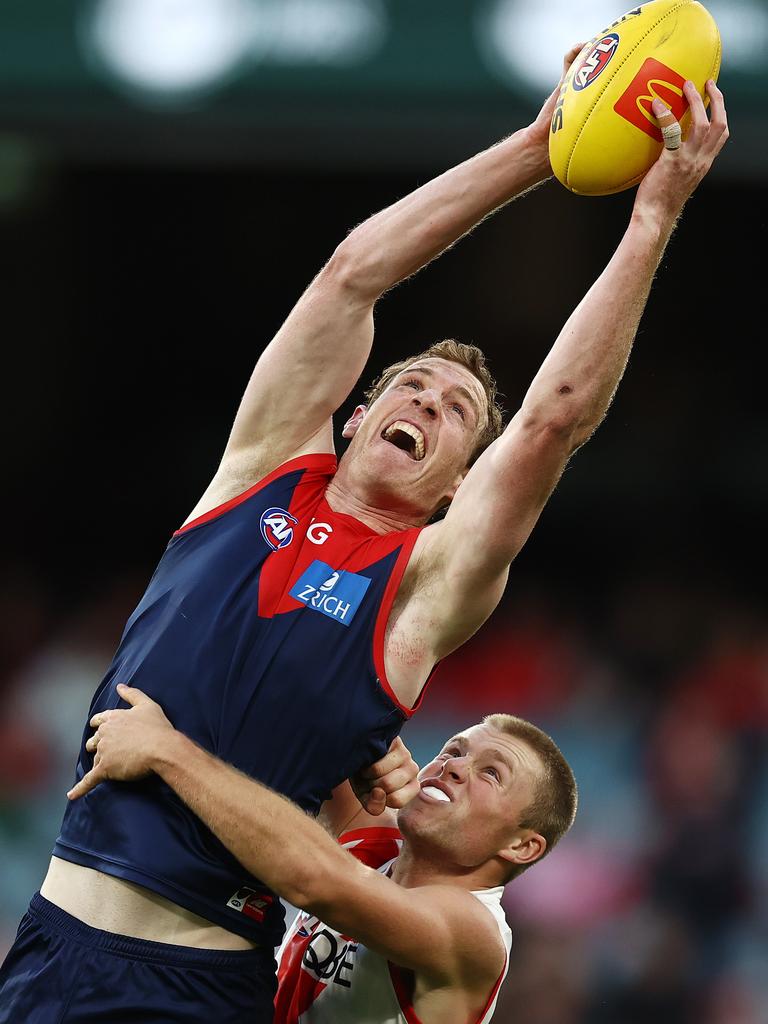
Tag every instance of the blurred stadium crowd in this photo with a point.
(654, 906)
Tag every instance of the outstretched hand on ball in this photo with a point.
(539, 129)
(680, 167)
(126, 743)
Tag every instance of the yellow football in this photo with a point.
(603, 136)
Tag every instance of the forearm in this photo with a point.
(269, 835)
(398, 241)
(295, 856)
(325, 342)
(576, 382)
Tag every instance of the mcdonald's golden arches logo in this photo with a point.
(653, 79)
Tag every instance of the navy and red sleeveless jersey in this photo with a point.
(261, 634)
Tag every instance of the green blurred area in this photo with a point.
(353, 78)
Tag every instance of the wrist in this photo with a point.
(174, 750)
(652, 227)
(658, 207)
(535, 143)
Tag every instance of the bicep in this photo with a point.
(465, 560)
(444, 934)
(302, 377)
(308, 369)
(240, 470)
(502, 496)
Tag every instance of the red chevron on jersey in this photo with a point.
(339, 540)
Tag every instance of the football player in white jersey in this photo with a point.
(405, 925)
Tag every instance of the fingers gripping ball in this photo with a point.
(671, 131)
(604, 135)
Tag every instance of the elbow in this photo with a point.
(565, 424)
(355, 270)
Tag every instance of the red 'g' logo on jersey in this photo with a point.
(595, 61)
(653, 79)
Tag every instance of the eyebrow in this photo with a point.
(460, 388)
(503, 758)
(461, 741)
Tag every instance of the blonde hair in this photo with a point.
(553, 808)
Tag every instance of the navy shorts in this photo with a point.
(61, 971)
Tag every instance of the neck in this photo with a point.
(341, 498)
(414, 869)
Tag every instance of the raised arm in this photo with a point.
(309, 368)
(568, 397)
(439, 930)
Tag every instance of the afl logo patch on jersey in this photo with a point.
(277, 527)
(595, 61)
(332, 592)
(251, 903)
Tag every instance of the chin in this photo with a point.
(415, 820)
(405, 820)
(391, 481)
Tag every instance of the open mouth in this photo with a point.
(407, 437)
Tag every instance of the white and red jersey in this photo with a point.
(325, 977)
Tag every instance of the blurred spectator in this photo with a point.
(653, 908)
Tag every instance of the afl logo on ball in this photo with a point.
(595, 62)
(277, 527)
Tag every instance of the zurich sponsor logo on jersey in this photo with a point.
(277, 527)
(332, 592)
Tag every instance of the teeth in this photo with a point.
(438, 794)
(411, 431)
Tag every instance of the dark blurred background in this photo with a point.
(172, 174)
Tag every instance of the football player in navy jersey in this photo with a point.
(295, 617)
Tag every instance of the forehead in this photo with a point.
(448, 374)
(515, 751)
(446, 371)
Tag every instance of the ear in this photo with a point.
(353, 423)
(525, 848)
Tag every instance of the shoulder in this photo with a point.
(475, 953)
(233, 484)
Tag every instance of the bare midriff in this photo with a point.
(124, 908)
